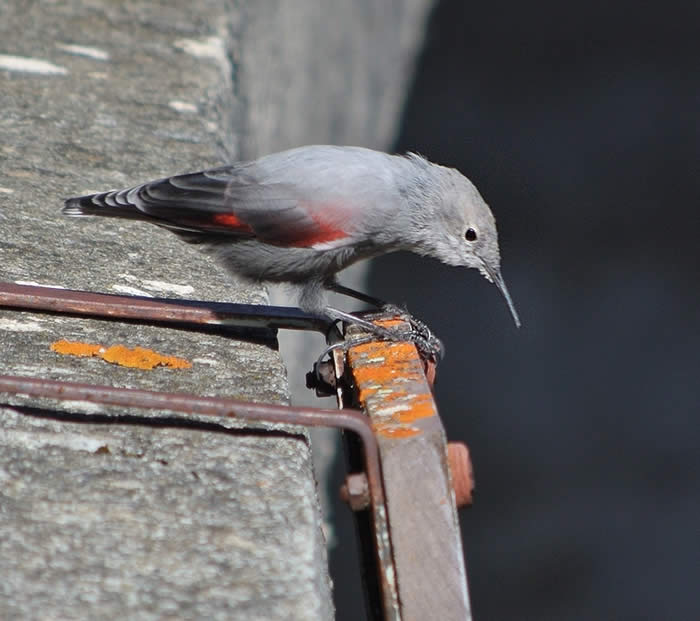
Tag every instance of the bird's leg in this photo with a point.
(337, 315)
(336, 287)
(385, 307)
(375, 332)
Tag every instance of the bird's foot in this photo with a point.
(428, 345)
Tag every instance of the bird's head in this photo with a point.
(461, 230)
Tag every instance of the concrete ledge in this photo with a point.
(109, 521)
(105, 521)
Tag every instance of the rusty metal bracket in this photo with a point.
(387, 380)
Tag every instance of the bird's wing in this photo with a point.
(285, 214)
(236, 201)
(227, 201)
(191, 203)
(314, 197)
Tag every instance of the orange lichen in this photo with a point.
(388, 374)
(137, 358)
(142, 358)
(420, 406)
(389, 430)
(393, 360)
(73, 348)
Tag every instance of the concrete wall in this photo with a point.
(101, 520)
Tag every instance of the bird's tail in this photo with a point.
(112, 204)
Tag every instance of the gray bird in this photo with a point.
(301, 216)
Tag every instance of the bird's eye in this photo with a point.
(470, 235)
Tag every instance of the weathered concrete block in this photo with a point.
(99, 520)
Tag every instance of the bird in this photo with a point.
(302, 215)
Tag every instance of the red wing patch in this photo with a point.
(304, 229)
(230, 221)
(322, 231)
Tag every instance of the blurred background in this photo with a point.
(579, 125)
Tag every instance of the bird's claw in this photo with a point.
(428, 345)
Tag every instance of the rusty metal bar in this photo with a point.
(161, 310)
(388, 381)
(349, 420)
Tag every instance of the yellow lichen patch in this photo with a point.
(137, 358)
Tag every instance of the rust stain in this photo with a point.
(137, 357)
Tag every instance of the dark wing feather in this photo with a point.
(192, 203)
(226, 201)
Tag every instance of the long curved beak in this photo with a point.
(497, 279)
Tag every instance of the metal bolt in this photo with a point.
(462, 473)
(322, 379)
(430, 368)
(355, 491)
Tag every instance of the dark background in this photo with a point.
(579, 125)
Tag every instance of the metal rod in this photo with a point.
(351, 420)
(162, 310)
